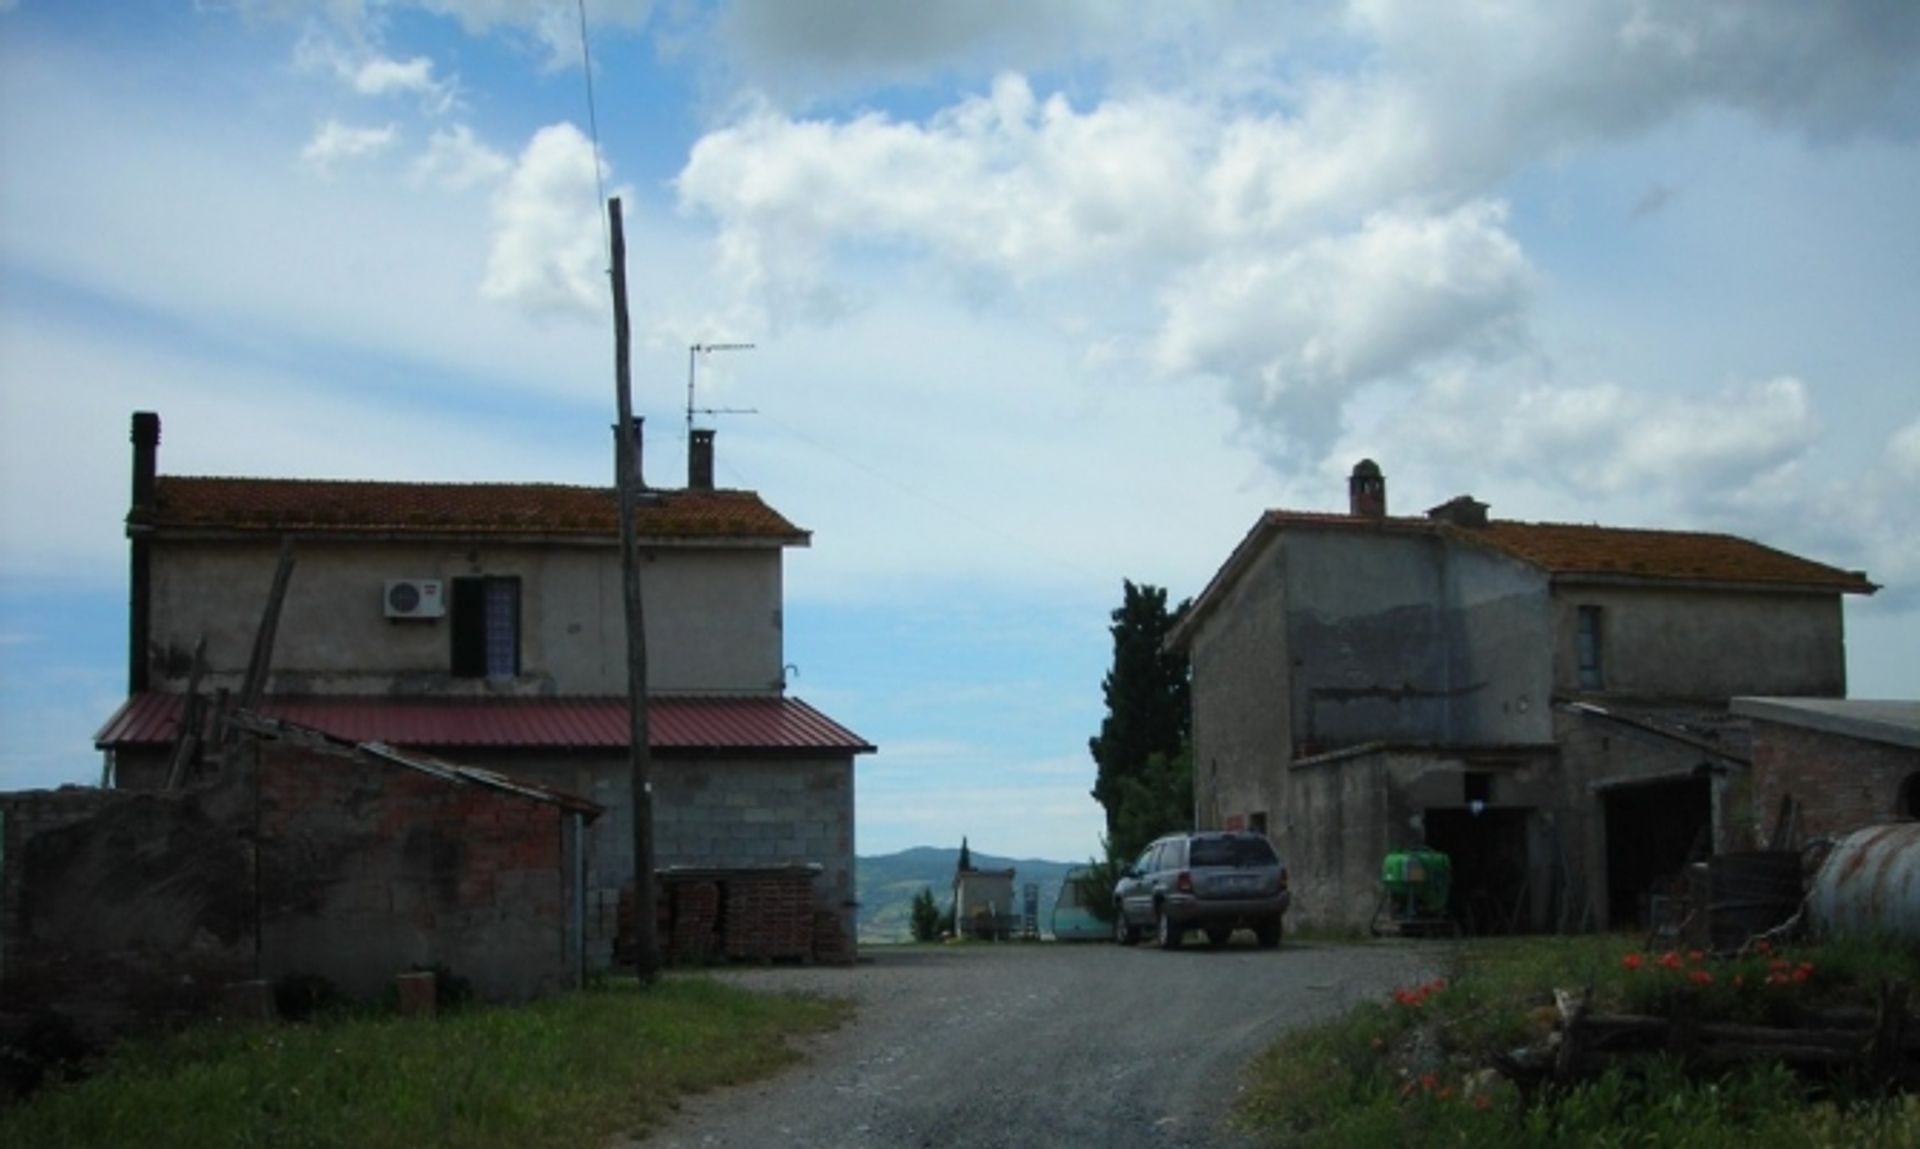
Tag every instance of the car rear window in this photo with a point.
(1230, 852)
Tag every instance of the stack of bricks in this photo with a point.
(831, 943)
(769, 914)
(695, 934)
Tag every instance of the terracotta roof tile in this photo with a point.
(328, 506)
(1623, 552)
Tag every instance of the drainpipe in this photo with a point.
(578, 925)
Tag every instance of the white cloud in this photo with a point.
(1296, 332)
(1903, 452)
(334, 142)
(548, 254)
(456, 160)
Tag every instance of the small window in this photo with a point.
(486, 628)
(1257, 821)
(1587, 645)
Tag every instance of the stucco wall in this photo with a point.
(1412, 637)
(713, 617)
(1841, 784)
(1707, 645)
(1242, 736)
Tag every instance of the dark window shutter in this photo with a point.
(469, 616)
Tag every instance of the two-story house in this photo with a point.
(484, 622)
(1545, 702)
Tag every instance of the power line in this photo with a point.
(593, 129)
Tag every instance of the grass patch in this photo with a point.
(1415, 1069)
(567, 1071)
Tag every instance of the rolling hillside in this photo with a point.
(886, 885)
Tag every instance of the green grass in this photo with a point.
(1416, 1071)
(568, 1071)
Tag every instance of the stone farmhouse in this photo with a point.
(482, 623)
(1547, 703)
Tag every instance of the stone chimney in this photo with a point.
(1461, 511)
(146, 457)
(700, 461)
(1367, 491)
(639, 441)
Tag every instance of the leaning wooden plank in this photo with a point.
(187, 745)
(256, 679)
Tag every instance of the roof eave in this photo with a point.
(1622, 579)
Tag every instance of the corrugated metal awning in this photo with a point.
(683, 724)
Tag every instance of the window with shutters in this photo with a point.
(486, 628)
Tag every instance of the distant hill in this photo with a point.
(886, 886)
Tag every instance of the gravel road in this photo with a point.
(1085, 1045)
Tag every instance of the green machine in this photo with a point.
(1414, 887)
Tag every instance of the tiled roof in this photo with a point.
(675, 724)
(1585, 549)
(326, 506)
(1575, 549)
(1570, 551)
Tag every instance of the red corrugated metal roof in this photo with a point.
(675, 724)
(320, 506)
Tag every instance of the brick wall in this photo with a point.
(1841, 784)
(367, 869)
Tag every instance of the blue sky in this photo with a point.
(1045, 295)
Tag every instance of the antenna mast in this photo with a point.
(693, 356)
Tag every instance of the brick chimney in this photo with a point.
(700, 461)
(1367, 491)
(146, 463)
(639, 441)
(1461, 511)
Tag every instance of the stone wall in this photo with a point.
(1841, 784)
(122, 910)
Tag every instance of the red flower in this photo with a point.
(1669, 960)
(1633, 961)
(1696, 957)
(1763, 947)
(1700, 977)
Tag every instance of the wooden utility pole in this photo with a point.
(646, 941)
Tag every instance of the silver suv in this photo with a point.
(1217, 882)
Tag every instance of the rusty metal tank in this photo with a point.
(1870, 883)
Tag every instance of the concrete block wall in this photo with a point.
(1841, 784)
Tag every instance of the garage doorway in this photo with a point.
(1653, 831)
(1488, 849)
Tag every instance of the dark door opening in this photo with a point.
(1653, 831)
(1491, 893)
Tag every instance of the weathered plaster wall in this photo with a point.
(1412, 638)
(1841, 784)
(1348, 811)
(714, 813)
(713, 617)
(1242, 736)
(1705, 645)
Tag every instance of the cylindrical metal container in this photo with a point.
(1870, 883)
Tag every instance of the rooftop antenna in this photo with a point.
(693, 357)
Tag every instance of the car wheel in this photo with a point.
(1167, 933)
(1122, 932)
(1218, 936)
(1269, 934)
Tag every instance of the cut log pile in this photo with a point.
(1882, 1043)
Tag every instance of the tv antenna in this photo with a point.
(694, 352)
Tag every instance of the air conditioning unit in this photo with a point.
(414, 598)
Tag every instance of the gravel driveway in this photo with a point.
(1025, 1045)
